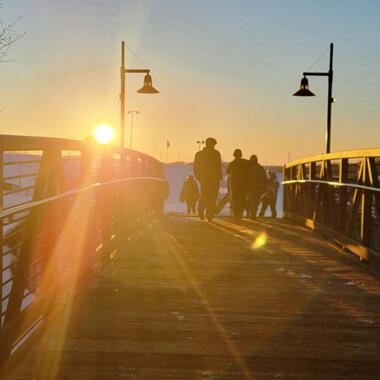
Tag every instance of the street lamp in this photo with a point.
(147, 88)
(132, 112)
(200, 143)
(304, 91)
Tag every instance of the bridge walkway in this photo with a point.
(187, 299)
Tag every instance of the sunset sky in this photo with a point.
(225, 69)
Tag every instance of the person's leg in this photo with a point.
(234, 202)
(202, 201)
(239, 204)
(212, 195)
(272, 203)
(247, 206)
(192, 207)
(264, 206)
(188, 207)
(254, 206)
(243, 201)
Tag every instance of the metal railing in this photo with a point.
(339, 195)
(65, 206)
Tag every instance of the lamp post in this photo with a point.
(200, 143)
(147, 88)
(132, 112)
(304, 91)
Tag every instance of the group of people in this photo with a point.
(248, 185)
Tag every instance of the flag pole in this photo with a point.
(167, 150)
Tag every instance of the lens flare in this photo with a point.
(103, 134)
(260, 240)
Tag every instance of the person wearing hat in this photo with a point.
(190, 194)
(208, 171)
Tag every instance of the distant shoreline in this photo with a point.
(275, 168)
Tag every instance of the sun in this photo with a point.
(103, 133)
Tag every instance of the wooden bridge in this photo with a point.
(135, 294)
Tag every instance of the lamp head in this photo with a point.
(304, 88)
(147, 88)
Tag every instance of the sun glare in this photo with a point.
(103, 134)
(260, 240)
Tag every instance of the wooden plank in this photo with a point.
(188, 299)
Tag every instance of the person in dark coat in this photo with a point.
(238, 171)
(270, 196)
(256, 186)
(190, 194)
(208, 171)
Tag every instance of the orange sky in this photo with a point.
(223, 70)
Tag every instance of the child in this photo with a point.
(190, 194)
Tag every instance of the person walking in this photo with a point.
(190, 194)
(208, 171)
(270, 196)
(238, 171)
(256, 186)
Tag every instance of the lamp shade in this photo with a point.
(304, 88)
(147, 88)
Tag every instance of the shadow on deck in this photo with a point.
(188, 299)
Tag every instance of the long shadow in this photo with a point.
(264, 313)
(328, 282)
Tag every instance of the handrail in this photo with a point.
(331, 183)
(63, 223)
(37, 143)
(29, 205)
(374, 152)
(339, 195)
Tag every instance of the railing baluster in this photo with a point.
(92, 216)
(347, 208)
(343, 173)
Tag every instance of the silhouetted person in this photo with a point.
(238, 171)
(256, 186)
(190, 194)
(270, 196)
(208, 170)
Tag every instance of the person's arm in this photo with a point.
(265, 178)
(196, 190)
(228, 170)
(182, 194)
(276, 185)
(196, 166)
(220, 165)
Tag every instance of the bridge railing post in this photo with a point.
(339, 194)
(75, 216)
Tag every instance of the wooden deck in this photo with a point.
(192, 300)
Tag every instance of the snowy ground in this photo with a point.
(176, 174)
